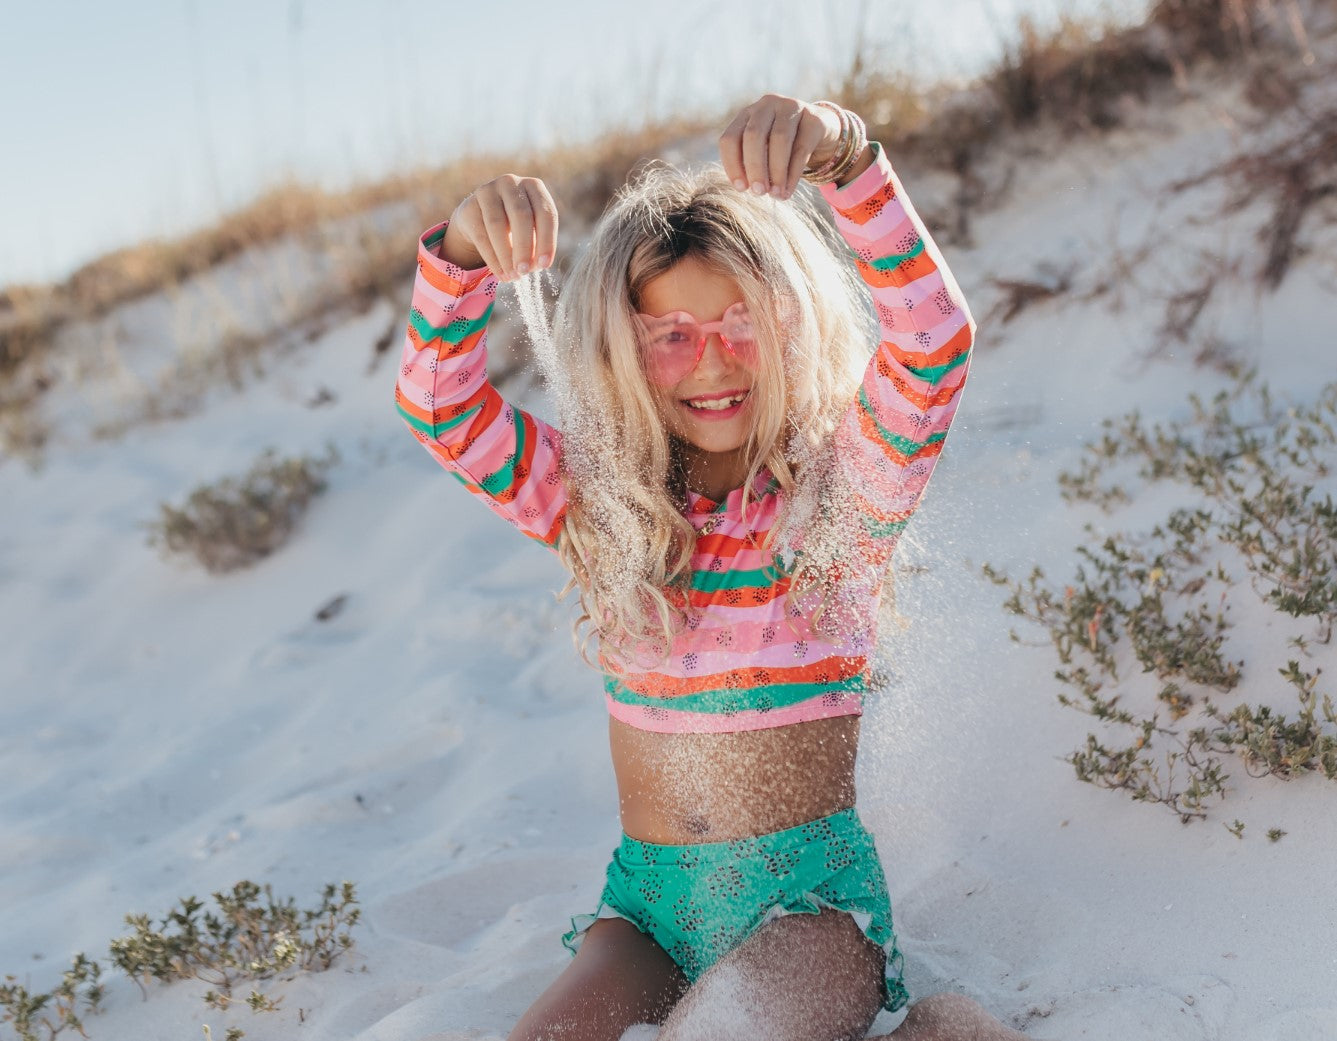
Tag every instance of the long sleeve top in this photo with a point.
(747, 659)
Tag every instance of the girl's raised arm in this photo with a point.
(893, 433)
(499, 452)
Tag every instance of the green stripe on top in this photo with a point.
(727, 699)
(887, 263)
(434, 430)
(934, 373)
(756, 578)
(884, 529)
(429, 332)
(505, 477)
(902, 444)
(434, 238)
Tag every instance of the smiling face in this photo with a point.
(715, 438)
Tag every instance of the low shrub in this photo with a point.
(37, 1016)
(236, 521)
(1158, 603)
(249, 938)
(252, 936)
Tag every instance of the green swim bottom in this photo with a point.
(701, 901)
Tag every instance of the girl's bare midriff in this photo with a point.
(680, 789)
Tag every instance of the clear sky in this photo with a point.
(124, 121)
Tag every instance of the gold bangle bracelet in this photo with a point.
(858, 142)
(829, 170)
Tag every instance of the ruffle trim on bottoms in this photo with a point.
(894, 994)
(580, 925)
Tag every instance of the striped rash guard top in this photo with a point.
(747, 659)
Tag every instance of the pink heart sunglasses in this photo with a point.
(673, 343)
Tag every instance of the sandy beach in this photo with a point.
(438, 742)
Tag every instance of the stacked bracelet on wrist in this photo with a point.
(853, 140)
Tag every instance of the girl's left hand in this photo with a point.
(770, 143)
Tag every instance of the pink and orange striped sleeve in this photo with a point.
(893, 433)
(499, 452)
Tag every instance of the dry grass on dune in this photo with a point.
(29, 314)
(1088, 77)
(1082, 75)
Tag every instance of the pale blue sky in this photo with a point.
(131, 120)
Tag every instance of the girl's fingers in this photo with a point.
(769, 143)
(493, 240)
(756, 158)
(545, 221)
(520, 227)
(511, 223)
(781, 152)
(731, 150)
(810, 134)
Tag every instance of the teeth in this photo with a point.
(718, 404)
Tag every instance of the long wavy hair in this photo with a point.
(625, 539)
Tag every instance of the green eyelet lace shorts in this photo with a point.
(701, 901)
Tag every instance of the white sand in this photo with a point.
(166, 733)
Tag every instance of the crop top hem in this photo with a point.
(674, 721)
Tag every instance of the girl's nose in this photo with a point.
(715, 357)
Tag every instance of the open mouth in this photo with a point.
(725, 403)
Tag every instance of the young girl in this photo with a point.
(732, 475)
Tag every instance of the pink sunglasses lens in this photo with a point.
(738, 334)
(669, 344)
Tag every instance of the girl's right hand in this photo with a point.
(509, 224)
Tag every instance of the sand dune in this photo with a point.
(438, 742)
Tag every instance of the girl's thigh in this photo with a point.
(802, 977)
(618, 978)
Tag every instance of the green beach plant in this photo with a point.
(1158, 604)
(248, 937)
(38, 1016)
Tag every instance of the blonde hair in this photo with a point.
(625, 539)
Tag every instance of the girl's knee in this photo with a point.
(939, 1017)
